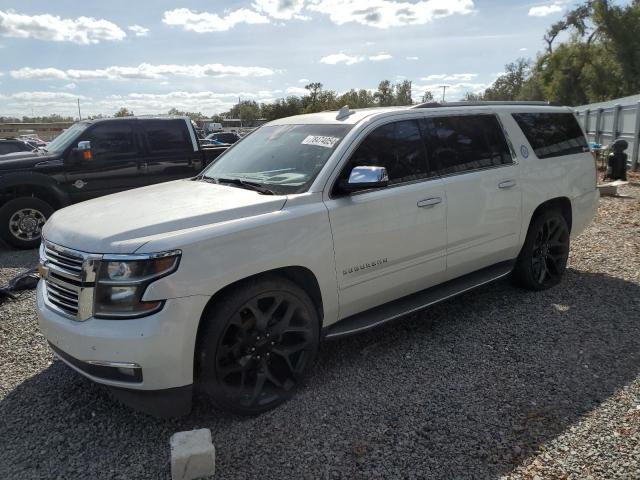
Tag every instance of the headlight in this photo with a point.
(122, 281)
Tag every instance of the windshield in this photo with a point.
(284, 158)
(62, 141)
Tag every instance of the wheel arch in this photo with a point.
(301, 276)
(563, 204)
(33, 185)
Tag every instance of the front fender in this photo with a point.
(37, 181)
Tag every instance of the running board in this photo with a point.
(417, 301)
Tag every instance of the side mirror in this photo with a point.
(364, 178)
(82, 152)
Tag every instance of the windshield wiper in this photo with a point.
(241, 183)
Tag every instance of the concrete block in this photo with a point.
(192, 455)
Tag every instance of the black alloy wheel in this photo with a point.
(264, 348)
(543, 259)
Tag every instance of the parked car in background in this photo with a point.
(321, 225)
(90, 159)
(224, 137)
(33, 139)
(12, 145)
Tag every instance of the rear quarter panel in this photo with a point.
(541, 179)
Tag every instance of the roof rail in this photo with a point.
(479, 104)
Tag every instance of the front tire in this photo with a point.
(258, 343)
(543, 259)
(21, 221)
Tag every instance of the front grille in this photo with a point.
(70, 280)
(65, 299)
(64, 259)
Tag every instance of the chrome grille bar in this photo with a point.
(70, 280)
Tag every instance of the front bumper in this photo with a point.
(162, 344)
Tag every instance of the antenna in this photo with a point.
(344, 112)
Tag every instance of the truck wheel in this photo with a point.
(544, 255)
(21, 221)
(259, 342)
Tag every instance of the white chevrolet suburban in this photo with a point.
(311, 227)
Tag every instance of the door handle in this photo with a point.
(429, 202)
(507, 184)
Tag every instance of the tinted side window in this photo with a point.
(552, 134)
(5, 148)
(111, 139)
(462, 143)
(396, 146)
(167, 135)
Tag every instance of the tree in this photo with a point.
(620, 27)
(403, 93)
(384, 96)
(508, 85)
(427, 96)
(180, 113)
(123, 112)
(314, 92)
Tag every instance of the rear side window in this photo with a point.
(111, 139)
(396, 146)
(167, 136)
(552, 134)
(464, 143)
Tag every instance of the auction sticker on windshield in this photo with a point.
(320, 141)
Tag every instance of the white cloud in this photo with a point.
(281, 9)
(303, 80)
(454, 77)
(544, 10)
(143, 71)
(389, 13)
(341, 57)
(82, 30)
(204, 22)
(70, 86)
(139, 30)
(412, 58)
(64, 103)
(297, 91)
(380, 57)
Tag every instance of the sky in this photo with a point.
(150, 56)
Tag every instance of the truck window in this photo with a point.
(552, 134)
(111, 139)
(396, 146)
(463, 143)
(167, 136)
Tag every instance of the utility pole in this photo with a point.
(240, 110)
(444, 91)
(79, 114)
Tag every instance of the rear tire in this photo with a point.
(21, 221)
(258, 343)
(543, 259)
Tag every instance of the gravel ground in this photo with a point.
(498, 382)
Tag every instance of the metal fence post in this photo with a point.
(616, 121)
(598, 124)
(636, 141)
(585, 123)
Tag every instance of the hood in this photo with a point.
(120, 223)
(23, 160)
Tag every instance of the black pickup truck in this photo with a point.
(90, 159)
